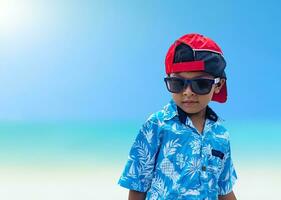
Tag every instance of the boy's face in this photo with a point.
(191, 102)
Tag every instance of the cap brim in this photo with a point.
(221, 97)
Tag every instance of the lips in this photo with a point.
(189, 101)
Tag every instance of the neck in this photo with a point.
(198, 119)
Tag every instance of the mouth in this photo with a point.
(189, 103)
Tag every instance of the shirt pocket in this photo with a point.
(215, 163)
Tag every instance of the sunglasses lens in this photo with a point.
(174, 85)
(202, 86)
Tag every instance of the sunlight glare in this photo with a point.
(15, 16)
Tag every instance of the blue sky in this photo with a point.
(99, 60)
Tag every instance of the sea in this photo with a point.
(84, 159)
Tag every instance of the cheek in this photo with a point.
(176, 97)
(207, 98)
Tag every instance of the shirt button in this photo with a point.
(204, 168)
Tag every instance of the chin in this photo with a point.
(191, 109)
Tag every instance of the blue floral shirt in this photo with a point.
(171, 160)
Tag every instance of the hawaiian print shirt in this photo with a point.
(171, 160)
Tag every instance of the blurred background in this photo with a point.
(78, 79)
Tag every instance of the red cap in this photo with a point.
(200, 54)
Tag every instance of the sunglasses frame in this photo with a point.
(188, 82)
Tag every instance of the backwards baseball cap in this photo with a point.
(195, 52)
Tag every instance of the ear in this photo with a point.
(219, 86)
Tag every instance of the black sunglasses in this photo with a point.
(199, 86)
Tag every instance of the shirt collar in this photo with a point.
(170, 110)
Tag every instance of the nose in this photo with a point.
(187, 91)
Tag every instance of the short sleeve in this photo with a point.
(228, 176)
(139, 169)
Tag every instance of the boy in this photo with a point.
(183, 151)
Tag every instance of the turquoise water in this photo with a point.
(64, 143)
(256, 141)
(107, 143)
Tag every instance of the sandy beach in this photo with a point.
(101, 183)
